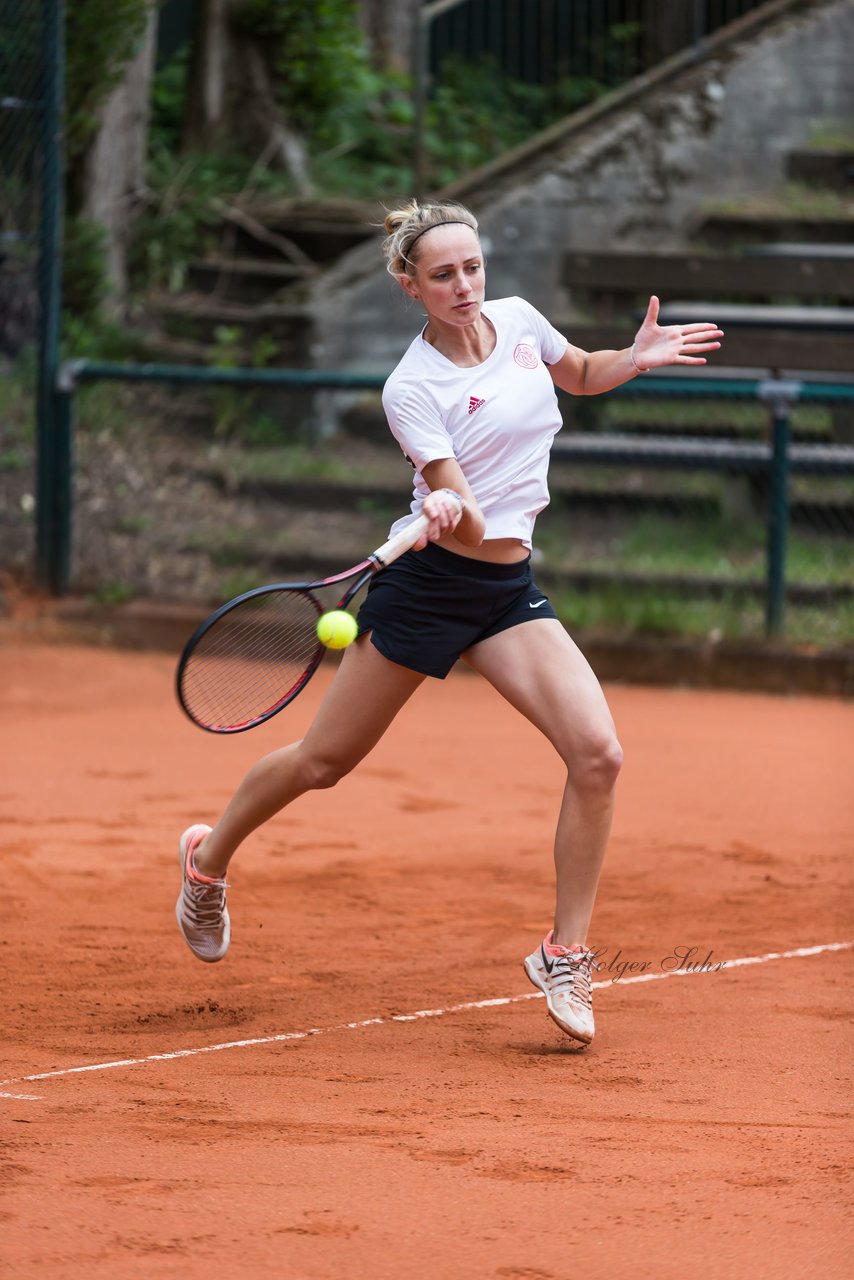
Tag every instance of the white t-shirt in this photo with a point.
(497, 419)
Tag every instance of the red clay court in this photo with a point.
(368, 1086)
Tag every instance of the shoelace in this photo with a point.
(571, 976)
(204, 902)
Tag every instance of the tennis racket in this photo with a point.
(253, 656)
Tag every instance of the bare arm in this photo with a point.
(589, 373)
(443, 509)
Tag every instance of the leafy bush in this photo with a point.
(319, 57)
(357, 124)
(84, 279)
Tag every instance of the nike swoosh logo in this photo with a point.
(548, 965)
(535, 604)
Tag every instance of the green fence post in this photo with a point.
(63, 491)
(779, 397)
(53, 460)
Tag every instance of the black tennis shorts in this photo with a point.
(429, 606)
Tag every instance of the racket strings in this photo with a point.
(251, 659)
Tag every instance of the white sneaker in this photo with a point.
(200, 910)
(563, 975)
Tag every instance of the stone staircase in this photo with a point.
(251, 288)
(777, 275)
(798, 248)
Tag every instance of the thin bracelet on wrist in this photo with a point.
(639, 367)
(459, 497)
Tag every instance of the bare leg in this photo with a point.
(365, 696)
(541, 672)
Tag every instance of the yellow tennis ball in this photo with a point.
(337, 629)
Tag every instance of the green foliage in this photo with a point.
(180, 216)
(635, 611)
(319, 58)
(168, 97)
(357, 124)
(84, 271)
(87, 332)
(229, 349)
(17, 404)
(96, 338)
(832, 137)
(114, 593)
(476, 112)
(284, 462)
(236, 413)
(237, 418)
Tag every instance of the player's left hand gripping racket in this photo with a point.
(253, 656)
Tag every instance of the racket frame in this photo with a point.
(362, 572)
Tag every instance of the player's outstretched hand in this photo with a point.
(658, 345)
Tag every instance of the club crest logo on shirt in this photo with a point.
(526, 356)
(474, 403)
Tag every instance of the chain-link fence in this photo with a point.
(31, 202)
(598, 42)
(21, 89)
(551, 56)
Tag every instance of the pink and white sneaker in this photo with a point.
(563, 974)
(200, 910)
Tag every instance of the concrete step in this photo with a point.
(319, 230)
(610, 279)
(739, 228)
(198, 318)
(245, 280)
(825, 167)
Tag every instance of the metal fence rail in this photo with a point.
(538, 41)
(585, 46)
(771, 513)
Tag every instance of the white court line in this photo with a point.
(797, 953)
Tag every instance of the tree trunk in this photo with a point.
(230, 96)
(390, 28)
(259, 121)
(114, 165)
(205, 114)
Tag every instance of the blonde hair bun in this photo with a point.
(403, 227)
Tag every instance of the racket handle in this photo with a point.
(401, 541)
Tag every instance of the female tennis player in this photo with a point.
(472, 404)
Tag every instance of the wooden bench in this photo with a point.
(783, 306)
(826, 167)
(732, 457)
(761, 351)
(826, 276)
(840, 254)
(779, 337)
